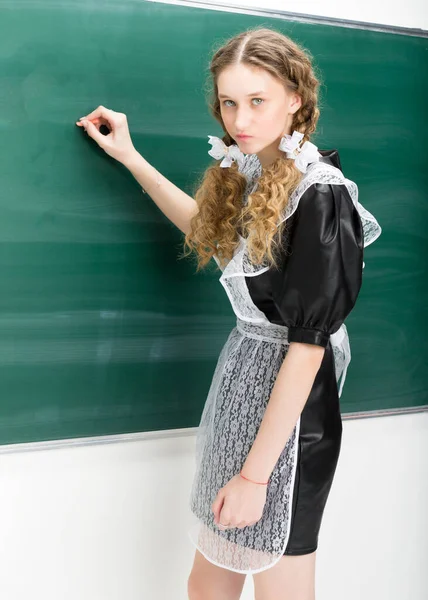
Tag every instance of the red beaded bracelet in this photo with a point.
(259, 482)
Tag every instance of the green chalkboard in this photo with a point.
(102, 329)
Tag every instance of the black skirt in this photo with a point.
(318, 452)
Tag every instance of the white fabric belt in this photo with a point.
(262, 331)
(278, 334)
(337, 338)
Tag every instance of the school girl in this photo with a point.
(287, 232)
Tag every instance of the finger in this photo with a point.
(217, 506)
(101, 111)
(94, 121)
(224, 518)
(93, 132)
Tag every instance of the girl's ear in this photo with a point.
(295, 102)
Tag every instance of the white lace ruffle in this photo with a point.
(318, 172)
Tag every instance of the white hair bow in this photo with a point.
(220, 150)
(308, 153)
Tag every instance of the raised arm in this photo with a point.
(178, 206)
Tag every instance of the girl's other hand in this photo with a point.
(239, 503)
(117, 143)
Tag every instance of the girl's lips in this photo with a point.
(243, 137)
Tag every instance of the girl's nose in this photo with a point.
(242, 121)
(242, 126)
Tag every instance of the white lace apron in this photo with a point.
(240, 390)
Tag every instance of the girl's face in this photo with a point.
(254, 103)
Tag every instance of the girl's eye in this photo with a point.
(258, 104)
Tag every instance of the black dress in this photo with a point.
(305, 300)
(312, 294)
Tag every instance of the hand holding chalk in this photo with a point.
(117, 143)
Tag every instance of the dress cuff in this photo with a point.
(307, 335)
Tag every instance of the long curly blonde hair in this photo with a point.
(219, 192)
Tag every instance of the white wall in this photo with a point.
(412, 14)
(109, 521)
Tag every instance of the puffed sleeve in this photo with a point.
(320, 275)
